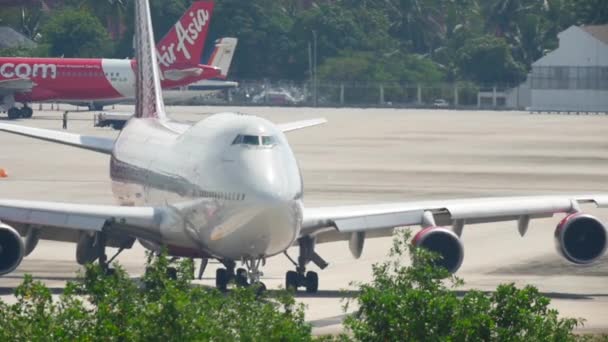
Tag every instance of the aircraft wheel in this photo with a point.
(222, 277)
(14, 113)
(241, 277)
(27, 112)
(291, 281)
(312, 282)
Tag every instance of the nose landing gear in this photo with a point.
(254, 273)
(299, 277)
(242, 277)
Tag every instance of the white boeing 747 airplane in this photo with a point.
(229, 188)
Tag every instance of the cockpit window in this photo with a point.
(246, 140)
(238, 140)
(266, 140)
(251, 140)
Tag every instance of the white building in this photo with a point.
(574, 77)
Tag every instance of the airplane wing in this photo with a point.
(338, 223)
(292, 126)
(92, 143)
(139, 221)
(14, 85)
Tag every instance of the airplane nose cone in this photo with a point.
(270, 176)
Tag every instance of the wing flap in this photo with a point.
(97, 144)
(381, 221)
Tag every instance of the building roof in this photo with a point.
(599, 32)
(11, 38)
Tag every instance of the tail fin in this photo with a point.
(184, 43)
(222, 55)
(148, 96)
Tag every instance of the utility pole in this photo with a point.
(312, 91)
(314, 44)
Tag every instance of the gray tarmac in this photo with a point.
(370, 156)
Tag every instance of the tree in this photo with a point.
(165, 13)
(340, 28)
(76, 33)
(412, 303)
(25, 19)
(488, 60)
(110, 12)
(20, 51)
(115, 307)
(418, 23)
(590, 12)
(262, 28)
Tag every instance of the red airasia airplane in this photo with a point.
(79, 80)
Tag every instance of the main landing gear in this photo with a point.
(242, 277)
(104, 262)
(299, 277)
(16, 113)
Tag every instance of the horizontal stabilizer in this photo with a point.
(97, 144)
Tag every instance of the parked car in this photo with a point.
(441, 103)
(275, 98)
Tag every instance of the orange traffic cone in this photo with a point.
(3, 173)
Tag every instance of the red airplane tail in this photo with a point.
(183, 44)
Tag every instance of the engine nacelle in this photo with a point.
(581, 238)
(12, 249)
(444, 242)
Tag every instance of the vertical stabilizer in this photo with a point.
(183, 44)
(148, 95)
(222, 55)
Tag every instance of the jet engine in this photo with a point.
(444, 242)
(581, 238)
(12, 249)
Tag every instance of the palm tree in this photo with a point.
(112, 12)
(421, 23)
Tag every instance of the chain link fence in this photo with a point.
(369, 94)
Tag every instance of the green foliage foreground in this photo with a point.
(109, 308)
(413, 303)
(402, 303)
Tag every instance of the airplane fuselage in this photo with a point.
(246, 194)
(79, 79)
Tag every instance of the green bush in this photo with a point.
(402, 303)
(156, 308)
(418, 303)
